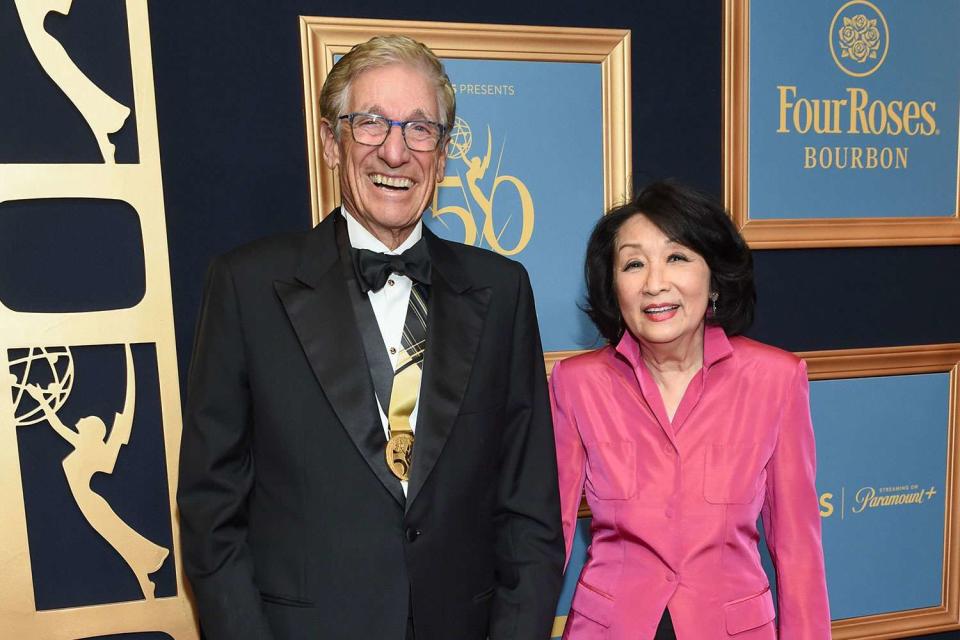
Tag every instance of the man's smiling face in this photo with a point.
(387, 188)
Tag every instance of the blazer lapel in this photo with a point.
(319, 308)
(455, 321)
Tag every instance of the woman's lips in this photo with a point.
(661, 312)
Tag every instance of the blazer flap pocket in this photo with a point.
(749, 613)
(285, 601)
(733, 473)
(486, 594)
(592, 603)
(611, 469)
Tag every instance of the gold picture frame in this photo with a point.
(799, 233)
(324, 38)
(895, 361)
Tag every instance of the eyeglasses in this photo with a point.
(372, 130)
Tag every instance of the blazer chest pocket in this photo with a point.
(612, 469)
(733, 472)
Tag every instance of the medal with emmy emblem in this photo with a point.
(406, 386)
(399, 453)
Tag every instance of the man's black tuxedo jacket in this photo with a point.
(292, 525)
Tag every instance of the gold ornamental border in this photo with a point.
(799, 233)
(896, 361)
(148, 321)
(323, 38)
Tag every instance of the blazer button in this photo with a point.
(670, 577)
(668, 449)
(412, 534)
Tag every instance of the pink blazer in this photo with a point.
(675, 506)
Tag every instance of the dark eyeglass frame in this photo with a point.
(403, 124)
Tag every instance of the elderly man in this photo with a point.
(367, 451)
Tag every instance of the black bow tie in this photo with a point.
(374, 268)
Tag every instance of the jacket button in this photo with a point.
(668, 513)
(412, 534)
(670, 577)
(668, 449)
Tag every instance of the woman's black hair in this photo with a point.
(689, 218)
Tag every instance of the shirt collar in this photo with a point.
(716, 347)
(360, 238)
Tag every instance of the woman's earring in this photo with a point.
(713, 303)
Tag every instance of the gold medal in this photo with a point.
(399, 453)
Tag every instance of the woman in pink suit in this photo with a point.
(682, 432)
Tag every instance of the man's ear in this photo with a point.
(442, 159)
(331, 146)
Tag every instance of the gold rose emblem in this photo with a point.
(859, 38)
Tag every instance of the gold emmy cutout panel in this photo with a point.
(96, 452)
(103, 114)
(93, 448)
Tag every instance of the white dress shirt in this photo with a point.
(389, 303)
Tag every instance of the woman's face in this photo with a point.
(662, 287)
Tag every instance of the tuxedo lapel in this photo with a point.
(456, 314)
(318, 305)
